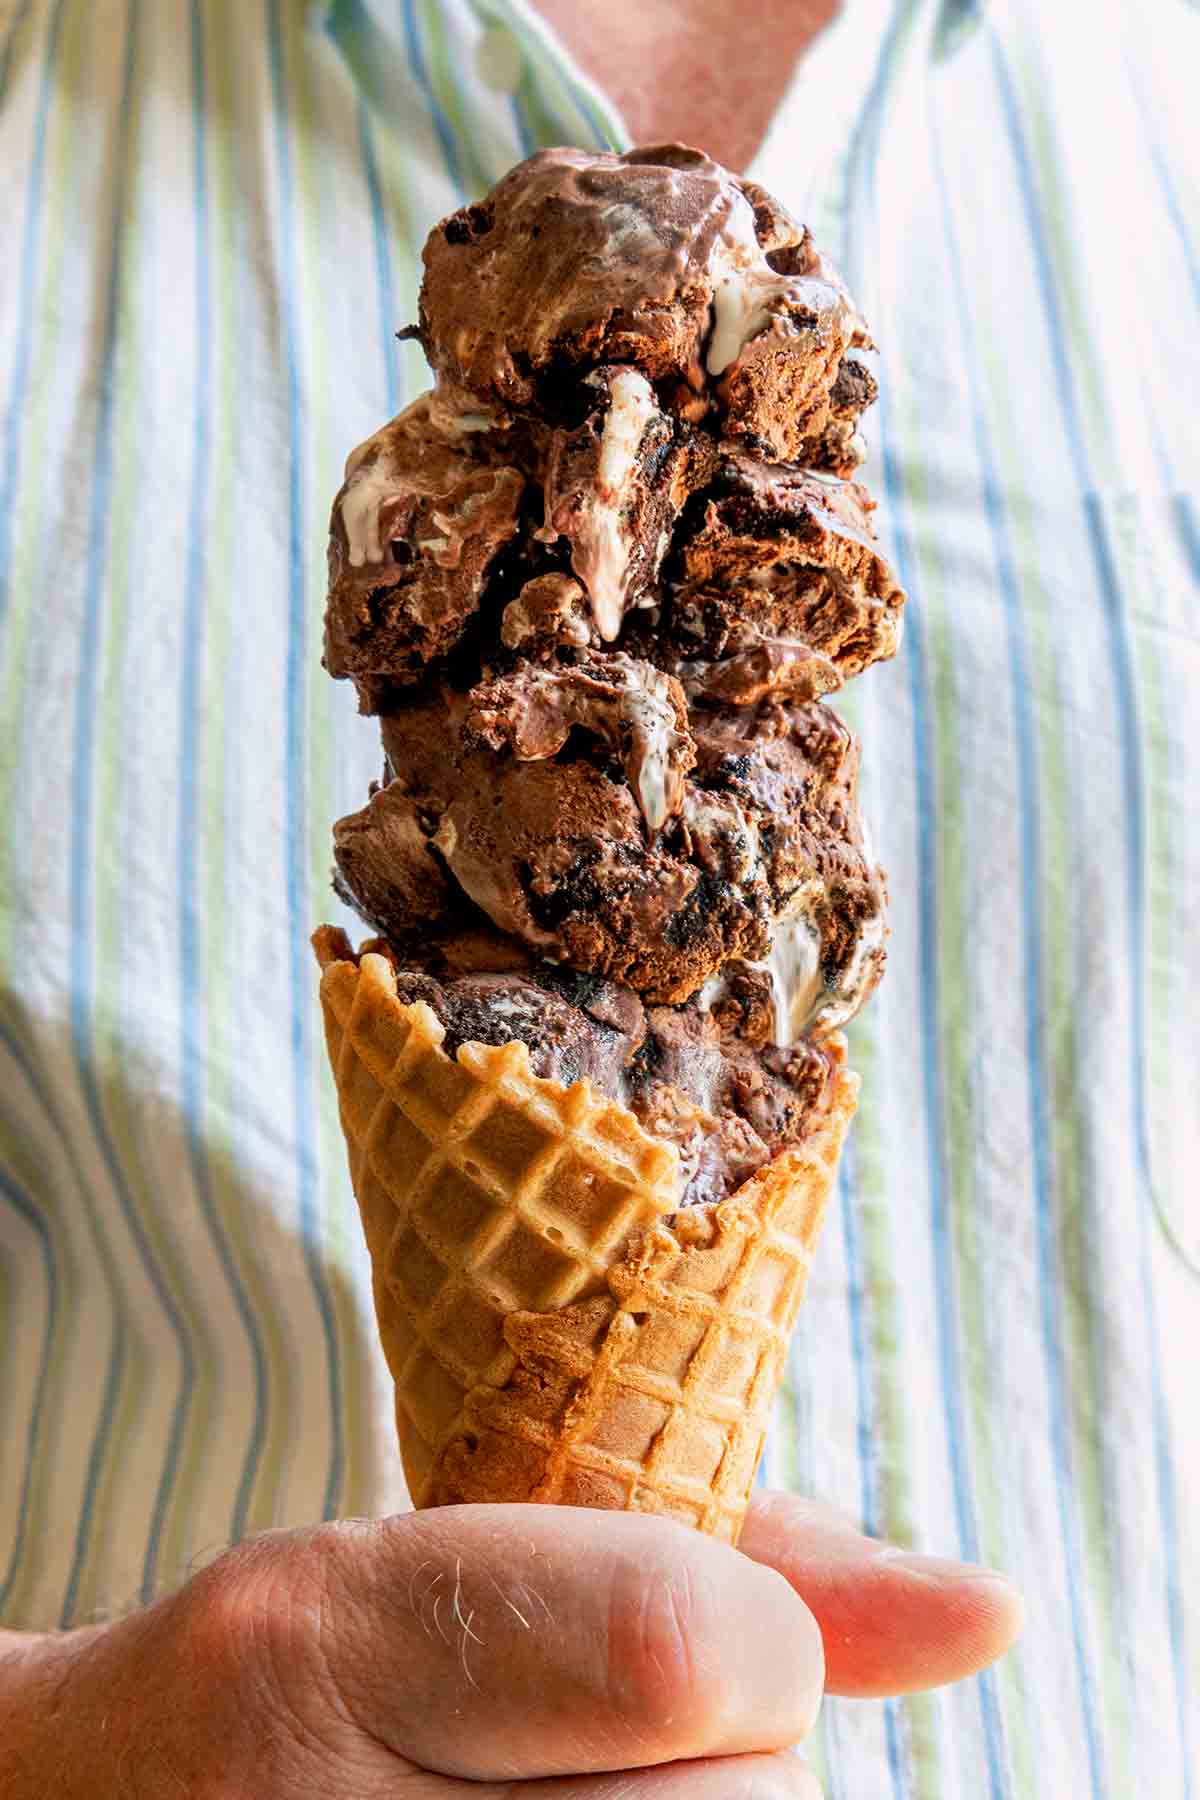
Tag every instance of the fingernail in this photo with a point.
(937, 1568)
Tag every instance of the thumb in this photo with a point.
(497, 1642)
(891, 1621)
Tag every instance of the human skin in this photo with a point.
(705, 72)
(492, 1653)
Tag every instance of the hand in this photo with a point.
(546, 1653)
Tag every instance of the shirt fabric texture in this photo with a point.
(211, 217)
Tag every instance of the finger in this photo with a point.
(497, 1642)
(782, 1777)
(892, 1622)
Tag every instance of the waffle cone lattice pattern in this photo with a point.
(555, 1330)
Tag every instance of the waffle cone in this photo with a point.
(555, 1329)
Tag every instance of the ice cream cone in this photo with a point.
(556, 1328)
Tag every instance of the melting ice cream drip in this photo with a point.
(371, 481)
(722, 835)
(794, 968)
(655, 745)
(602, 553)
(803, 1000)
(618, 697)
(457, 415)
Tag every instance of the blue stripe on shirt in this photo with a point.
(383, 259)
(933, 1084)
(1028, 787)
(437, 112)
(118, 1354)
(1168, 190)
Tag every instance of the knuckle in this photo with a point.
(231, 1610)
(664, 1656)
(257, 1630)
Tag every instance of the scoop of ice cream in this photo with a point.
(660, 259)
(778, 585)
(768, 576)
(427, 505)
(587, 815)
(727, 1104)
(612, 335)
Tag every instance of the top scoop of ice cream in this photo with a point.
(659, 259)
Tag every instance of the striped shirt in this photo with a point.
(211, 216)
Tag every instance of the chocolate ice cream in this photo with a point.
(597, 608)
